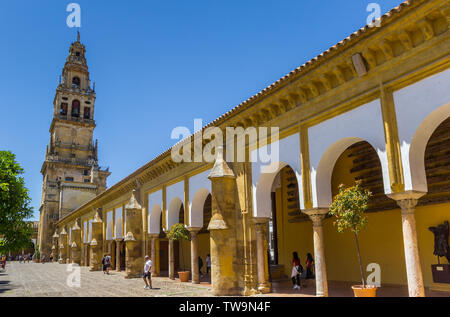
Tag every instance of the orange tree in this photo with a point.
(348, 209)
(178, 232)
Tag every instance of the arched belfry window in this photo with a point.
(75, 108)
(87, 113)
(76, 81)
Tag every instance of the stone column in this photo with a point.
(63, 247)
(155, 268)
(171, 261)
(317, 215)
(96, 244)
(225, 263)
(76, 244)
(118, 248)
(194, 255)
(133, 238)
(407, 202)
(260, 226)
(55, 247)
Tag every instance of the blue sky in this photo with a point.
(157, 65)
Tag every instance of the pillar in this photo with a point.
(96, 244)
(317, 216)
(55, 246)
(133, 238)
(407, 202)
(194, 255)
(261, 252)
(76, 244)
(171, 261)
(118, 248)
(62, 246)
(155, 268)
(225, 262)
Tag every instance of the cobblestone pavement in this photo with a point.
(50, 279)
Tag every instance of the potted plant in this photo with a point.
(348, 208)
(37, 254)
(178, 232)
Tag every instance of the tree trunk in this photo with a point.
(360, 262)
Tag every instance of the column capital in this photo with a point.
(407, 201)
(316, 215)
(193, 229)
(153, 235)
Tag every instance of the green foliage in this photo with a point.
(348, 207)
(179, 232)
(37, 254)
(14, 205)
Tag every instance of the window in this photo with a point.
(86, 172)
(63, 109)
(72, 155)
(76, 82)
(77, 53)
(87, 113)
(69, 179)
(75, 108)
(87, 180)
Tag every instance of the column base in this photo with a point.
(264, 288)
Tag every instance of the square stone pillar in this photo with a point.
(224, 259)
(134, 261)
(96, 244)
(76, 244)
(63, 247)
(55, 246)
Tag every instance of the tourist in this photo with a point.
(20, 259)
(104, 264)
(200, 265)
(309, 266)
(208, 264)
(147, 275)
(108, 263)
(297, 269)
(3, 261)
(51, 258)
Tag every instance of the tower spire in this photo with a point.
(78, 36)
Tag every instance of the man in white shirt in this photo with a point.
(147, 275)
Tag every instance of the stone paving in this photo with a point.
(50, 279)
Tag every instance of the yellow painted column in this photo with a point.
(153, 256)
(261, 253)
(194, 255)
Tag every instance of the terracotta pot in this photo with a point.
(368, 291)
(184, 276)
(36, 260)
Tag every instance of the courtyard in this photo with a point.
(50, 279)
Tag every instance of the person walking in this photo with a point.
(104, 264)
(147, 275)
(208, 264)
(107, 263)
(297, 269)
(200, 265)
(309, 266)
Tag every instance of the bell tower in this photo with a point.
(71, 172)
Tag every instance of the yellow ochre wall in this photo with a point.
(203, 250)
(381, 242)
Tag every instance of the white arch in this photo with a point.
(264, 188)
(329, 139)
(196, 210)
(420, 108)
(173, 212)
(325, 170)
(263, 173)
(416, 163)
(154, 219)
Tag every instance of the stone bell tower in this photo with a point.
(71, 173)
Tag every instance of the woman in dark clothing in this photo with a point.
(309, 266)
